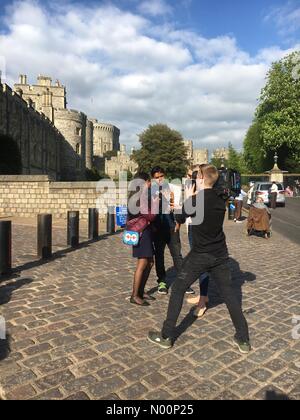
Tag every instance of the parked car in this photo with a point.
(262, 189)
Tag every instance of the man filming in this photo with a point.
(209, 253)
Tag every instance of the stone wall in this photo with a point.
(27, 196)
(38, 140)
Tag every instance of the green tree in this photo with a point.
(95, 175)
(218, 162)
(253, 149)
(110, 154)
(162, 146)
(276, 127)
(234, 159)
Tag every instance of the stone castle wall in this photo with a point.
(28, 196)
(87, 139)
(38, 140)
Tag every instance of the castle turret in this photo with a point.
(41, 92)
(72, 125)
(89, 144)
(106, 138)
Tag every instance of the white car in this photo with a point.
(262, 189)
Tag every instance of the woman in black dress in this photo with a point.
(144, 251)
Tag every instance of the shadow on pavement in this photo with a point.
(5, 348)
(56, 255)
(275, 396)
(6, 293)
(239, 278)
(7, 290)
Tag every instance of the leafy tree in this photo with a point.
(234, 158)
(253, 149)
(218, 162)
(162, 146)
(110, 154)
(276, 127)
(95, 175)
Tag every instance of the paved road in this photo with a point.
(73, 335)
(287, 220)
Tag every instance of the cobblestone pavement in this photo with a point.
(73, 335)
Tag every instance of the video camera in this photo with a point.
(229, 183)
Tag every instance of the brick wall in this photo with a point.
(27, 196)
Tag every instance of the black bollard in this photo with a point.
(110, 227)
(73, 228)
(93, 223)
(44, 236)
(5, 247)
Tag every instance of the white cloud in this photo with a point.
(286, 18)
(154, 8)
(122, 68)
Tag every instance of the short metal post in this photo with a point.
(73, 228)
(5, 247)
(44, 236)
(93, 223)
(110, 228)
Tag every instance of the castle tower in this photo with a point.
(39, 91)
(189, 146)
(47, 104)
(123, 150)
(72, 124)
(106, 138)
(200, 156)
(89, 144)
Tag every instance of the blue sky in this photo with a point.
(198, 65)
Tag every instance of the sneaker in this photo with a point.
(156, 338)
(244, 347)
(162, 288)
(190, 291)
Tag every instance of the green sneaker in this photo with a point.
(162, 288)
(156, 338)
(244, 347)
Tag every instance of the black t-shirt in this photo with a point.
(208, 237)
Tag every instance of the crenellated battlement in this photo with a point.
(71, 115)
(105, 127)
